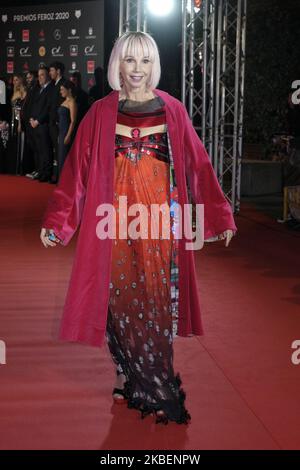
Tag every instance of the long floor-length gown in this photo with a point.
(143, 305)
(15, 145)
(64, 119)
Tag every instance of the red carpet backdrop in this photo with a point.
(71, 33)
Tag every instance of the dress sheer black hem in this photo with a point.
(173, 411)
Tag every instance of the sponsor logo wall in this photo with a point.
(34, 35)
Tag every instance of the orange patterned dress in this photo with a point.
(143, 305)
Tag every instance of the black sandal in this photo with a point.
(122, 396)
(160, 417)
(119, 391)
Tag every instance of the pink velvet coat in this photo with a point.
(87, 180)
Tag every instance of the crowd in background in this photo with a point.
(39, 121)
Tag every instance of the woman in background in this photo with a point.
(4, 124)
(16, 144)
(67, 115)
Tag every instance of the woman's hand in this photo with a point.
(228, 234)
(44, 236)
(67, 140)
(34, 123)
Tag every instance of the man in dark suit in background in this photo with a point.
(56, 72)
(96, 92)
(39, 121)
(30, 158)
(81, 96)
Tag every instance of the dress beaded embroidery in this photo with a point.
(143, 304)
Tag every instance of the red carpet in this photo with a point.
(242, 389)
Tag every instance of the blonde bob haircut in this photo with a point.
(133, 43)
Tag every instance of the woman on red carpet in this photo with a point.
(136, 143)
(16, 141)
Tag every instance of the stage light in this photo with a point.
(160, 7)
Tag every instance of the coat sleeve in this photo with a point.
(204, 186)
(64, 209)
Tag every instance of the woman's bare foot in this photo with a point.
(161, 417)
(119, 383)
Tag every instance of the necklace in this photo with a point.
(121, 98)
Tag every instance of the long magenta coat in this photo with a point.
(87, 181)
